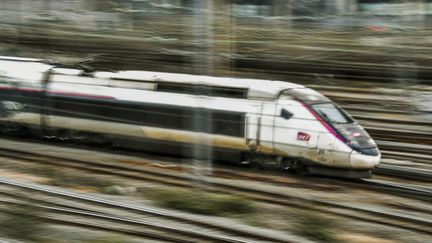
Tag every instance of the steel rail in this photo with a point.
(393, 121)
(144, 224)
(397, 135)
(164, 177)
(282, 200)
(404, 172)
(415, 191)
(412, 157)
(406, 147)
(105, 227)
(274, 197)
(418, 188)
(148, 210)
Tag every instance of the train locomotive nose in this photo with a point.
(365, 153)
(363, 161)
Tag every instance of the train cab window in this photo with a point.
(286, 114)
(332, 113)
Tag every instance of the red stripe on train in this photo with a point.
(324, 123)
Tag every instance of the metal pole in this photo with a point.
(202, 22)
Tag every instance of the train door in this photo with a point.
(265, 134)
(253, 127)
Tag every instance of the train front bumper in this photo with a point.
(363, 162)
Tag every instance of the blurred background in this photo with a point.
(355, 43)
(372, 57)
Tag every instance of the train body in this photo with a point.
(236, 119)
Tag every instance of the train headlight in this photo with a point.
(358, 139)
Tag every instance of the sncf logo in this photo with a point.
(303, 136)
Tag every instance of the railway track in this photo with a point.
(404, 172)
(369, 72)
(409, 148)
(57, 217)
(413, 157)
(405, 160)
(175, 227)
(397, 135)
(274, 195)
(385, 169)
(400, 188)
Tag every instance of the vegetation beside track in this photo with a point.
(22, 223)
(203, 202)
(316, 227)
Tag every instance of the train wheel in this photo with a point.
(294, 165)
(252, 161)
(64, 135)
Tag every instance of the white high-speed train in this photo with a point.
(237, 119)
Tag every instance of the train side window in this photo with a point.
(286, 114)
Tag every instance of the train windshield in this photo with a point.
(333, 114)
